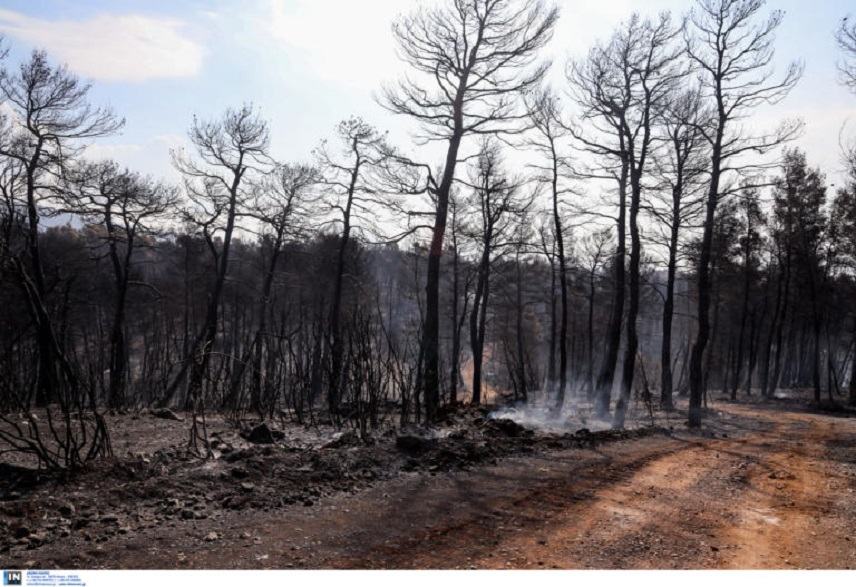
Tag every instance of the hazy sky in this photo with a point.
(309, 63)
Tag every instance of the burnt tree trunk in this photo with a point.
(336, 343)
(744, 315)
(666, 375)
(563, 282)
(603, 390)
(785, 278)
(455, 362)
(590, 337)
(632, 342)
(478, 319)
(118, 343)
(430, 352)
(48, 380)
(521, 352)
(704, 284)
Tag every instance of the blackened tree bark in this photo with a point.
(756, 319)
(476, 56)
(51, 116)
(216, 184)
(126, 205)
(733, 51)
(549, 130)
(723, 254)
(494, 201)
(652, 61)
(783, 303)
(597, 247)
(605, 102)
(548, 249)
(353, 196)
(280, 207)
(680, 170)
(622, 87)
(558, 229)
(459, 313)
(519, 307)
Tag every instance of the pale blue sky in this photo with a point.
(309, 63)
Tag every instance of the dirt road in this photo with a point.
(779, 495)
(772, 489)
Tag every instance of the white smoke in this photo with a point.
(577, 413)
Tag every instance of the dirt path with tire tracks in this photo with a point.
(779, 496)
(767, 489)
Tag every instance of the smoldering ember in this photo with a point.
(586, 305)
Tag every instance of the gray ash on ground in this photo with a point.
(255, 469)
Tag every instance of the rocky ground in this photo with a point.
(762, 486)
(260, 468)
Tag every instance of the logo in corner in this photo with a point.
(12, 578)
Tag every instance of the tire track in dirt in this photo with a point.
(797, 510)
(768, 499)
(494, 540)
(777, 492)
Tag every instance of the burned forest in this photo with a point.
(580, 308)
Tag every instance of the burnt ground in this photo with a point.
(762, 486)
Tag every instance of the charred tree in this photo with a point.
(127, 207)
(51, 117)
(217, 185)
(474, 58)
(749, 242)
(493, 203)
(352, 197)
(733, 50)
(548, 132)
(680, 170)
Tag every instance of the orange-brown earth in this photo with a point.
(765, 487)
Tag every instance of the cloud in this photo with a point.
(150, 156)
(128, 48)
(337, 41)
